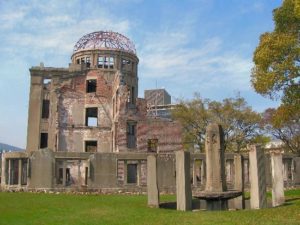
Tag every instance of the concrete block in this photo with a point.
(257, 171)
(277, 179)
(239, 202)
(152, 186)
(183, 181)
(42, 167)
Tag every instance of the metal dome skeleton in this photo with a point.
(105, 40)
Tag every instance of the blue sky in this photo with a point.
(185, 46)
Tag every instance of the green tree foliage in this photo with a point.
(277, 59)
(276, 123)
(240, 123)
(194, 117)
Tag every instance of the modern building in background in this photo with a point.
(158, 103)
(157, 97)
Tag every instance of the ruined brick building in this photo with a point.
(88, 130)
(88, 108)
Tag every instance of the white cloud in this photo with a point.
(45, 29)
(175, 57)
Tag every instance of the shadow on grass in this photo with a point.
(172, 205)
(292, 199)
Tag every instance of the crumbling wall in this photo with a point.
(72, 104)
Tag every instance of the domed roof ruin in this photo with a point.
(105, 40)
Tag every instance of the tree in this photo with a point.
(194, 118)
(287, 130)
(240, 123)
(277, 59)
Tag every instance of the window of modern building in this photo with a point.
(91, 117)
(91, 86)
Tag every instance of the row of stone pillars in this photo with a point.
(8, 172)
(258, 195)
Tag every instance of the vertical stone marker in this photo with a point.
(277, 178)
(257, 171)
(239, 202)
(152, 186)
(183, 181)
(215, 160)
(3, 174)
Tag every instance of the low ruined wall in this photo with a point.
(116, 172)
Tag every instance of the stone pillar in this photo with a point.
(215, 159)
(257, 171)
(3, 171)
(152, 186)
(20, 173)
(239, 202)
(9, 172)
(79, 174)
(64, 174)
(34, 113)
(203, 172)
(277, 178)
(183, 181)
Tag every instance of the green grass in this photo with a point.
(34, 208)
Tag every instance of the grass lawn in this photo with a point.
(34, 208)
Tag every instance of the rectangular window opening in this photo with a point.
(88, 62)
(132, 98)
(14, 172)
(91, 86)
(90, 146)
(46, 81)
(100, 62)
(45, 109)
(152, 145)
(131, 173)
(60, 176)
(44, 140)
(91, 117)
(131, 135)
(106, 62)
(86, 176)
(68, 176)
(111, 62)
(24, 172)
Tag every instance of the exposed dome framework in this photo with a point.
(105, 40)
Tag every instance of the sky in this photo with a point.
(186, 46)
